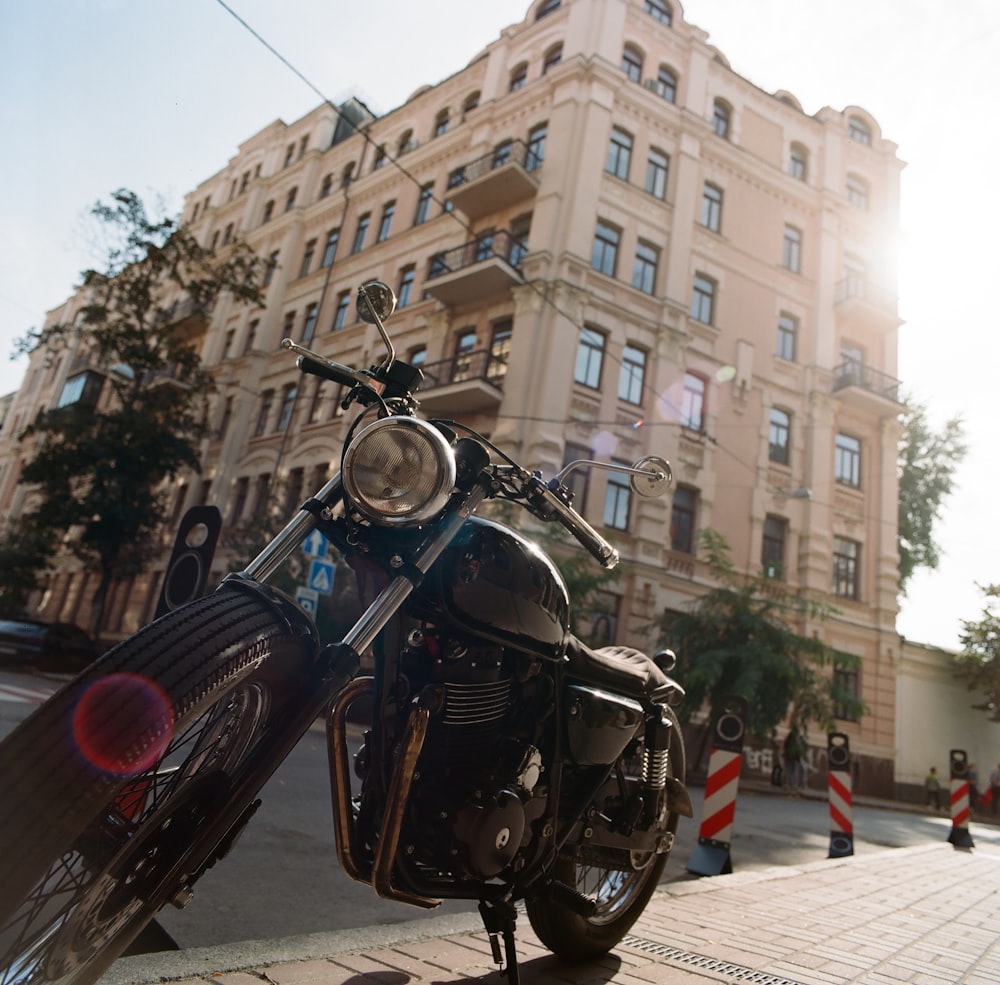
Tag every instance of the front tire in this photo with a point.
(122, 788)
(620, 891)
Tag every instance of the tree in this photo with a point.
(24, 554)
(927, 463)
(99, 461)
(738, 639)
(978, 663)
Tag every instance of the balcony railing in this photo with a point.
(481, 268)
(857, 287)
(491, 183)
(871, 381)
(464, 383)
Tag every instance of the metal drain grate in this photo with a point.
(733, 971)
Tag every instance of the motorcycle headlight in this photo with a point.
(399, 471)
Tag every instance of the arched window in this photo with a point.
(798, 162)
(518, 77)
(666, 83)
(660, 9)
(722, 118)
(441, 123)
(470, 103)
(859, 131)
(548, 7)
(552, 58)
(632, 62)
(406, 143)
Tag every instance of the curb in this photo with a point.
(165, 966)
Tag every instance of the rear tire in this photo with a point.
(109, 792)
(621, 892)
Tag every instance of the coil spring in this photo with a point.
(655, 766)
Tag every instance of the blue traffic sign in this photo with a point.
(321, 576)
(307, 599)
(315, 545)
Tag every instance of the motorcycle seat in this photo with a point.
(617, 668)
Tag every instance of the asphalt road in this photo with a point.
(282, 878)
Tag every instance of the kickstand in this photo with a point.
(500, 918)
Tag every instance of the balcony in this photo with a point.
(495, 181)
(867, 389)
(188, 319)
(480, 270)
(468, 382)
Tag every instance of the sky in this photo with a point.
(156, 96)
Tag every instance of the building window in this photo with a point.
(289, 324)
(711, 207)
(293, 488)
(791, 250)
(288, 395)
(359, 234)
(262, 492)
(309, 323)
(536, 146)
(589, 358)
(270, 268)
(619, 154)
(578, 481)
(847, 686)
(266, 402)
(847, 460)
(552, 58)
(290, 199)
(316, 404)
(778, 436)
(772, 552)
(722, 117)
(518, 77)
(788, 331)
(239, 500)
(441, 123)
(604, 258)
(632, 63)
(456, 177)
(340, 313)
(683, 512)
(644, 271)
(798, 162)
(227, 348)
(307, 258)
(857, 192)
(549, 7)
(424, 203)
(406, 143)
(501, 153)
(859, 131)
(666, 84)
(405, 286)
(418, 356)
(703, 299)
(83, 389)
(617, 495)
(268, 211)
(657, 168)
(632, 375)
(252, 329)
(385, 223)
(381, 156)
(496, 368)
(326, 187)
(660, 10)
(227, 237)
(289, 155)
(471, 102)
(330, 250)
(693, 402)
(465, 345)
(846, 567)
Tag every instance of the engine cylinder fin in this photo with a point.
(476, 704)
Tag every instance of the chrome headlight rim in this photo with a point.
(363, 466)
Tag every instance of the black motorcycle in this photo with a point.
(503, 760)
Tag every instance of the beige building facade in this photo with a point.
(606, 243)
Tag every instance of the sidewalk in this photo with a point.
(928, 916)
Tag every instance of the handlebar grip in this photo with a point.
(328, 371)
(599, 548)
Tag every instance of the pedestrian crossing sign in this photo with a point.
(321, 576)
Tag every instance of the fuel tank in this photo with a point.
(494, 583)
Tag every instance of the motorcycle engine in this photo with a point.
(478, 782)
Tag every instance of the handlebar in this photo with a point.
(606, 555)
(327, 369)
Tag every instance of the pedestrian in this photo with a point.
(777, 774)
(995, 790)
(933, 787)
(795, 763)
(972, 778)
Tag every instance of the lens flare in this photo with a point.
(603, 444)
(123, 723)
(725, 374)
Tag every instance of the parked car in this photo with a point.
(46, 646)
